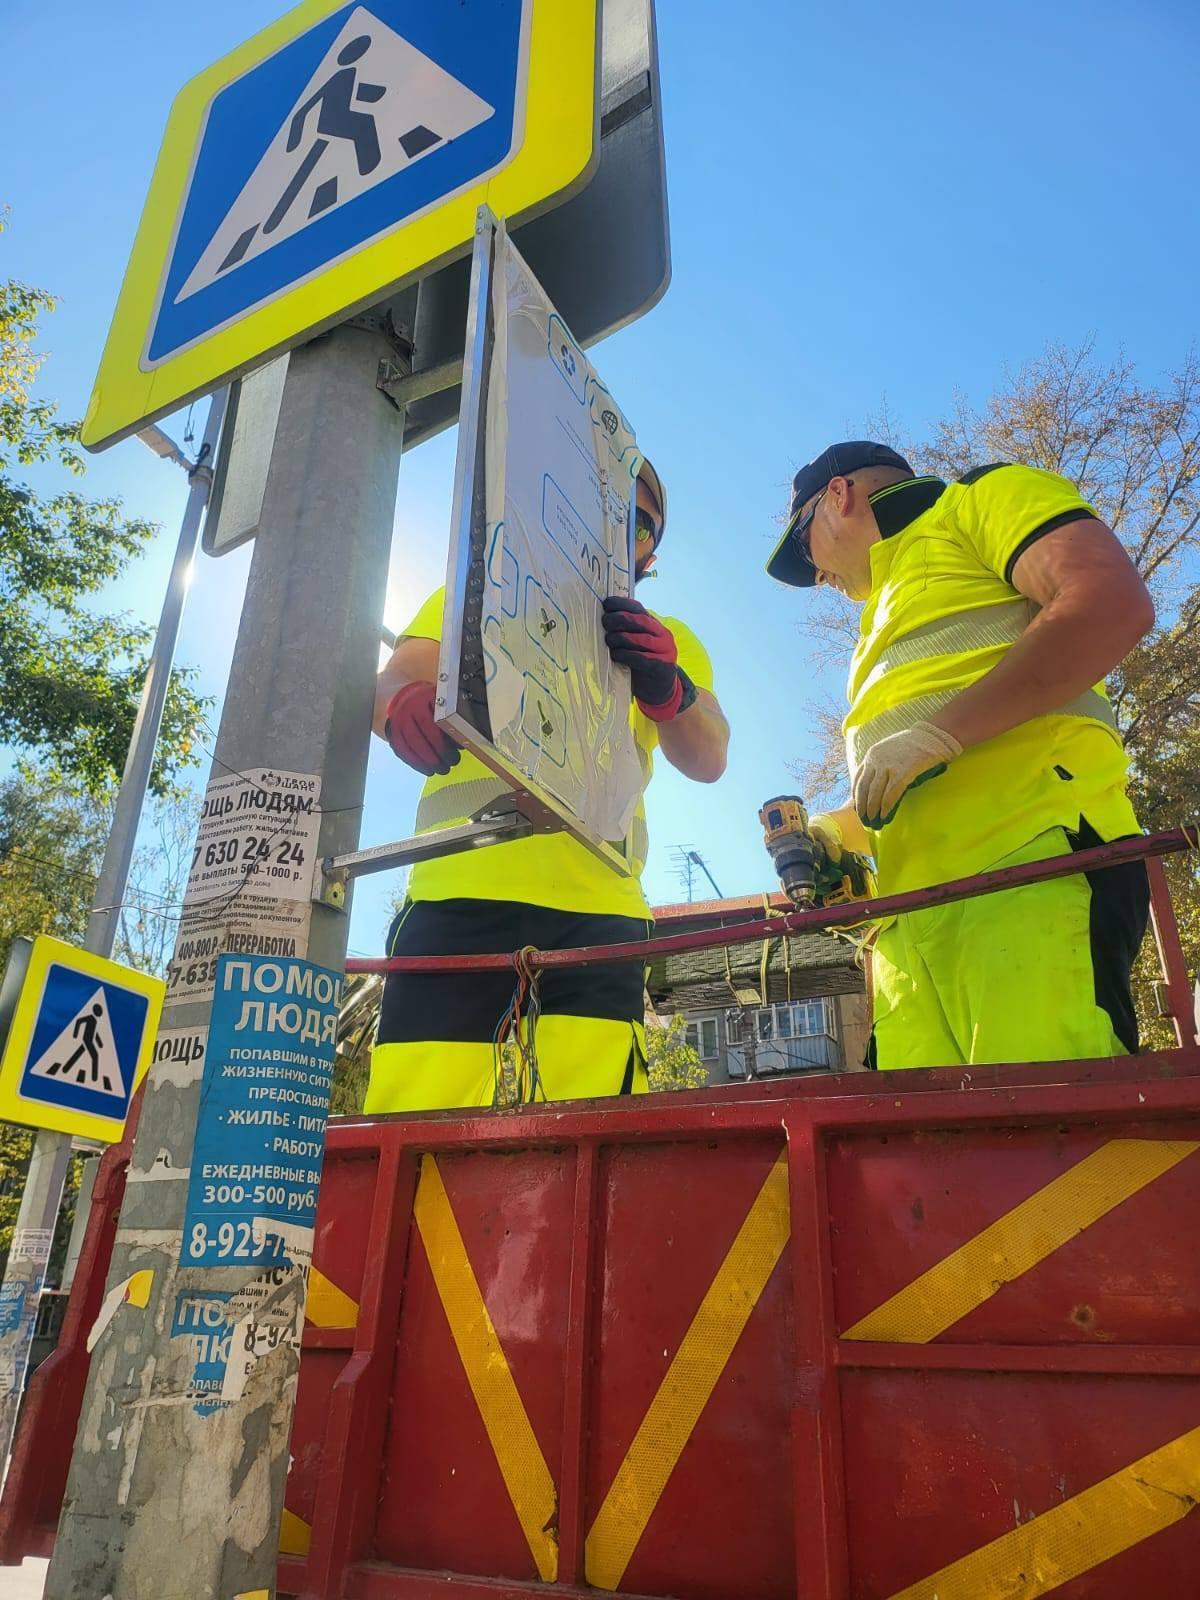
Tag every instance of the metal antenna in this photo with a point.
(685, 861)
(694, 857)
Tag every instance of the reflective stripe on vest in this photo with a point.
(983, 629)
(456, 802)
(956, 635)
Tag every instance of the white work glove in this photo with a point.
(897, 764)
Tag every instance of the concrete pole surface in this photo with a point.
(41, 1198)
(167, 1498)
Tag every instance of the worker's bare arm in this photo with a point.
(1094, 609)
(696, 742)
(412, 661)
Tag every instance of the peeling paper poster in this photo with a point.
(252, 925)
(250, 885)
(258, 830)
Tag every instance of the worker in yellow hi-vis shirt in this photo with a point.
(435, 1041)
(979, 736)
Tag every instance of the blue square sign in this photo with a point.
(85, 1044)
(81, 1038)
(341, 153)
(360, 124)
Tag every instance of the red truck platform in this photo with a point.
(922, 1336)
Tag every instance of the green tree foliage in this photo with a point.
(50, 845)
(1134, 450)
(70, 679)
(673, 1063)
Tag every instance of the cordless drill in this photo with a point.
(791, 847)
(806, 872)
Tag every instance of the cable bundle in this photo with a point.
(516, 1079)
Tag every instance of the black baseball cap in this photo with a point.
(788, 563)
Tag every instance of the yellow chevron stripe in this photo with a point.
(1019, 1240)
(688, 1383)
(1092, 1527)
(295, 1535)
(522, 1465)
(328, 1306)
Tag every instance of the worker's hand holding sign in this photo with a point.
(638, 640)
(896, 764)
(409, 727)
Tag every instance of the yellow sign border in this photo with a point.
(15, 1107)
(558, 152)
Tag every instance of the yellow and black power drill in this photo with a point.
(809, 872)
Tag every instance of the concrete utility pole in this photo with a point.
(41, 1199)
(165, 1497)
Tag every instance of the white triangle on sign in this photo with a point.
(85, 1054)
(374, 106)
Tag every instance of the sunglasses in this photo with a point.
(802, 532)
(646, 529)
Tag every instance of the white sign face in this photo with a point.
(559, 464)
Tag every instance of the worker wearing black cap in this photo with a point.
(435, 1041)
(979, 735)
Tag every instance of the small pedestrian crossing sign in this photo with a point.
(80, 1039)
(328, 161)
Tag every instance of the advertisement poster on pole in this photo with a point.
(251, 876)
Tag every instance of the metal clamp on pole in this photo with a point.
(495, 824)
(402, 386)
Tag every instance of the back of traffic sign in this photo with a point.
(337, 155)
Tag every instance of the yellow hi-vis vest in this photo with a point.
(551, 869)
(941, 613)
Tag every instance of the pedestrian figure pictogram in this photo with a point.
(374, 106)
(86, 1029)
(84, 1053)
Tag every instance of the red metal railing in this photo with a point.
(1149, 848)
(623, 1197)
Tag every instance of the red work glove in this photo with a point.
(640, 642)
(414, 736)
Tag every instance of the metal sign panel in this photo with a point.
(80, 1040)
(335, 156)
(542, 533)
(243, 459)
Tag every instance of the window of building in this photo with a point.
(799, 1019)
(703, 1038)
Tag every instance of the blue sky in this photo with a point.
(868, 202)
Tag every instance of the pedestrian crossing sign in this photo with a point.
(336, 156)
(80, 1040)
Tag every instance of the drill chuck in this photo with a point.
(790, 846)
